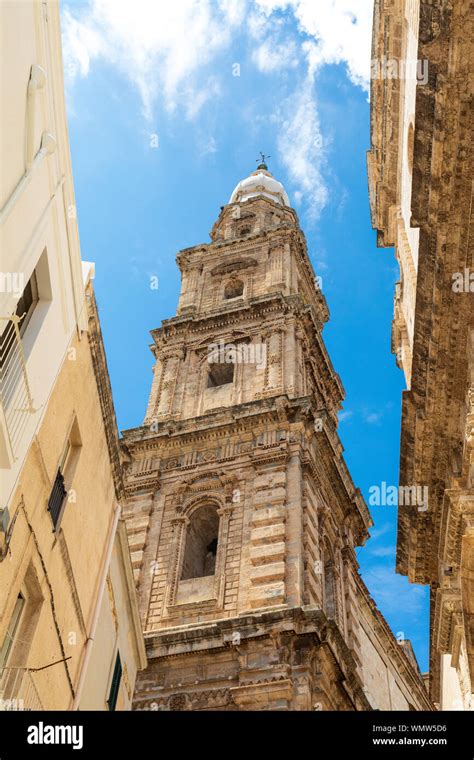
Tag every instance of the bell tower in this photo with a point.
(242, 516)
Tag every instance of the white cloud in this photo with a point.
(272, 55)
(381, 551)
(373, 418)
(165, 50)
(393, 592)
(195, 98)
(259, 24)
(345, 416)
(206, 145)
(340, 32)
(337, 31)
(376, 533)
(81, 43)
(158, 46)
(269, 6)
(301, 147)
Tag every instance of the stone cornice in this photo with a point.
(247, 310)
(169, 440)
(240, 248)
(188, 330)
(185, 641)
(382, 159)
(104, 389)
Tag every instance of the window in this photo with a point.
(27, 303)
(65, 474)
(115, 685)
(201, 544)
(19, 330)
(24, 309)
(220, 373)
(234, 289)
(20, 633)
(56, 498)
(11, 630)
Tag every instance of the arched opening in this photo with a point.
(201, 544)
(234, 289)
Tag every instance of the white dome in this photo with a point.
(263, 183)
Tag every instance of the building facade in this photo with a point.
(241, 513)
(69, 629)
(420, 170)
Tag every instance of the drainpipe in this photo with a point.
(36, 82)
(98, 604)
(48, 146)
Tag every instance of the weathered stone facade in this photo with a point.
(420, 178)
(238, 468)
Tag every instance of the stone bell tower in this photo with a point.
(242, 516)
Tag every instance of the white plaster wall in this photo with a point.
(451, 692)
(43, 216)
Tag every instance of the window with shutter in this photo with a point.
(115, 685)
(11, 630)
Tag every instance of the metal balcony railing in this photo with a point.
(15, 393)
(18, 690)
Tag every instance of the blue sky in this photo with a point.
(168, 106)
